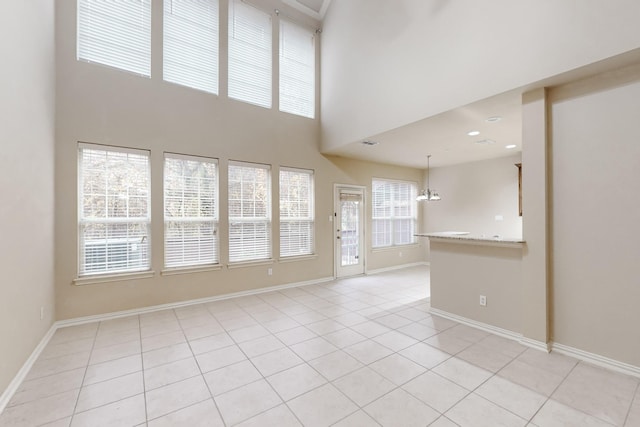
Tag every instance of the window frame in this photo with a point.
(85, 53)
(82, 273)
(213, 220)
(239, 93)
(310, 218)
(257, 220)
(174, 63)
(392, 217)
(309, 109)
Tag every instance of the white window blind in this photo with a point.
(249, 212)
(249, 54)
(191, 43)
(296, 212)
(190, 211)
(394, 213)
(297, 69)
(116, 33)
(114, 214)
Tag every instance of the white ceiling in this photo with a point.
(444, 136)
(314, 8)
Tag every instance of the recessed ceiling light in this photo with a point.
(485, 141)
(473, 133)
(510, 146)
(493, 119)
(369, 142)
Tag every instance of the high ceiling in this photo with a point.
(314, 8)
(445, 137)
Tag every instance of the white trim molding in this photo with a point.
(505, 333)
(395, 267)
(13, 386)
(151, 309)
(6, 396)
(596, 359)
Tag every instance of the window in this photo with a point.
(297, 70)
(249, 54)
(296, 212)
(249, 212)
(190, 211)
(191, 43)
(114, 218)
(394, 213)
(116, 33)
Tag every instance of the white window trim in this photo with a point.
(215, 221)
(312, 105)
(268, 220)
(393, 245)
(103, 277)
(311, 218)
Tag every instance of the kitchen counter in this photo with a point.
(468, 238)
(466, 268)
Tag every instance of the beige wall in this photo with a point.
(389, 63)
(595, 215)
(461, 272)
(102, 105)
(473, 194)
(26, 180)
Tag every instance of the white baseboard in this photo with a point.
(596, 359)
(505, 333)
(396, 267)
(151, 309)
(22, 373)
(538, 345)
(11, 389)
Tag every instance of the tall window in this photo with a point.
(116, 33)
(296, 212)
(190, 211)
(297, 69)
(191, 43)
(394, 213)
(249, 212)
(249, 54)
(114, 210)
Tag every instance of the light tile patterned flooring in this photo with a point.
(357, 352)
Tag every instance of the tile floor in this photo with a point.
(357, 352)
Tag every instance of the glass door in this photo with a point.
(349, 231)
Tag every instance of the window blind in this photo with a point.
(296, 212)
(249, 54)
(191, 43)
(190, 211)
(249, 212)
(394, 213)
(114, 215)
(116, 33)
(297, 69)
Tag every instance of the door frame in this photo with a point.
(336, 205)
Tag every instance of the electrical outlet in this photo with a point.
(41, 313)
(270, 271)
(483, 300)
(400, 254)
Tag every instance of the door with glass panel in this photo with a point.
(349, 230)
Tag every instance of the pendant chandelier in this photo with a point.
(428, 195)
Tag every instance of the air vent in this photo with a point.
(369, 142)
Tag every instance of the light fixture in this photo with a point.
(493, 119)
(428, 195)
(486, 142)
(369, 142)
(510, 146)
(473, 133)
